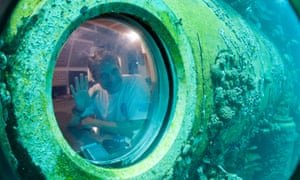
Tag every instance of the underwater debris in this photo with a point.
(236, 99)
(229, 175)
(234, 85)
(84, 10)
(226, 113)
(220, 99)
(217, 73)
(178, 22)
(247, 81)
(186, 149)
(5, 98)
(201, 173)
(3, 61)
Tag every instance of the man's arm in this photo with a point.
(80, 92)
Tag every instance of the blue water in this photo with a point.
(277, 19)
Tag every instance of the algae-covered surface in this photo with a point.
(233, 90)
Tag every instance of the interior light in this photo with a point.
(132, 36)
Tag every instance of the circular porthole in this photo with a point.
(111, 91)
(67, 46)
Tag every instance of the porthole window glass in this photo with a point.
(111, 91)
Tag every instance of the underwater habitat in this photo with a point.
(150, 89)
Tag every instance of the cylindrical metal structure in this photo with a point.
(224, 77)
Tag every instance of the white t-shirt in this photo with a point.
(131, 102)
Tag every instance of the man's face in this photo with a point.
(109, 77)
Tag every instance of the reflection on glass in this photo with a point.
(109, 113)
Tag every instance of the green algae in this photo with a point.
(34, 37)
